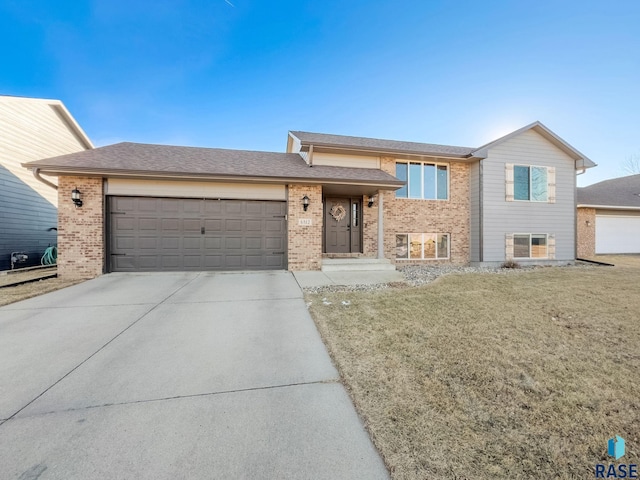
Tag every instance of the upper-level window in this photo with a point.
(427, 181)
(530, 183)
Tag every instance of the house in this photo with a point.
(31, 129)
(168, 208)
(609, 217)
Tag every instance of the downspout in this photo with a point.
(310, 155)
(36, 173)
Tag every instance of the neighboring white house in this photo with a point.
(609, 217)
(31, 129)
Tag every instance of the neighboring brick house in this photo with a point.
(31, 129)
(167, 208)
(609, 217)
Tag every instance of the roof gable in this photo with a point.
(581, 160)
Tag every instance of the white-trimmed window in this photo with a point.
(530, 183)
(530, 245)
(422, 246)
(428, 181)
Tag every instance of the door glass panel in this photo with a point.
(354, 215)
(539, 246)
(521, 246)
(443, 182)
(429, 181)
(415, 245)
(429, 245)
(443, 245)
(415, 180)
(401, 174)
(402, 246)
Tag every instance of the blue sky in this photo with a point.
(241, 73)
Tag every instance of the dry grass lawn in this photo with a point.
(33, 289)
(485, 376)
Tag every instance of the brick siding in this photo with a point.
(80, 230)
(586, 233)
(403, 215)
(305, 241)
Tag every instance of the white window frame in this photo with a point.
(530, 183)
(530, 235)
(422, 164)
(408, 259)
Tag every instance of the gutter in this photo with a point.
(390, 185)
(36, 173)
(607, 207)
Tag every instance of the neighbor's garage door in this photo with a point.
(617, 234)
(175, 234)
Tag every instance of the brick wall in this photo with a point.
(80, 230)
(305, 241)
(586, 247)
(403, 215)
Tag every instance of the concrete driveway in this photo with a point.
(171, 376)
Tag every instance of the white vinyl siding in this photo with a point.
(500, 217)
(184, 189)
(33, 129)
(350, 161)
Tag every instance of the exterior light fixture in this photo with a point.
(75, 196)
(588, 223)
(371, 199)
(305, 203)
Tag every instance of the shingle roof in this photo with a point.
(617, 192)
(165, 160)
(375, 144)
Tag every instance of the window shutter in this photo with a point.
(508, 251)
(551, 181)
(508, 175)
(551, 246)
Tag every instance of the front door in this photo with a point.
(342, 219)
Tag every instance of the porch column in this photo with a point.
(380, 226)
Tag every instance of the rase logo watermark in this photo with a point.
(616, 449)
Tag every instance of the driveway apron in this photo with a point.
(174, 375)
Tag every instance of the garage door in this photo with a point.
(178, 234)
(617, 234)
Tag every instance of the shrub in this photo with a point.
(510, 264)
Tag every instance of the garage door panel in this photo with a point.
(170, 224)
(147, 243)
(234, 261)
(274, 243)
(617, 234)
(253, 225)
(170, 243)
(154, 234)
(233, 243)
(233, 225)
(213, 225)
(253, 243)
(233, 207)
(191, 243)
(213, 243)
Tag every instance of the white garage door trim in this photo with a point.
(617, 234)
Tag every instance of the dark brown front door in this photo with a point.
(342, 218)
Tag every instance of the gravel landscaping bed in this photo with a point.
(417, 275)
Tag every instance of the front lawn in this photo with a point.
(485, 376)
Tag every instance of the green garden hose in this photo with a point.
(50, 256)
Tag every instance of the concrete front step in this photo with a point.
(356, 264)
